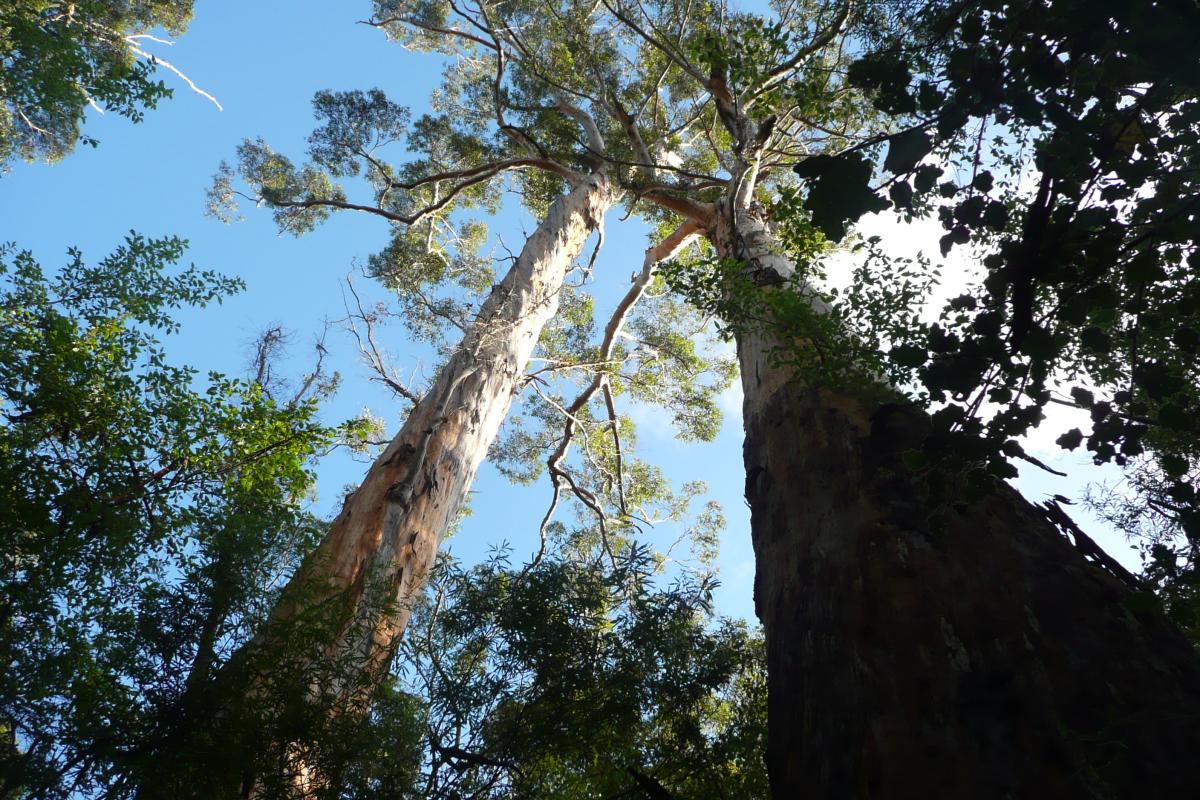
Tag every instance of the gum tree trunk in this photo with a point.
(268, 722)
(980, 656)
(378, 552)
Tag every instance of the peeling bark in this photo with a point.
(332, 634)
(380, 548)
(968, 651)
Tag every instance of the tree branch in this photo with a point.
(666, 249)
(779, 73)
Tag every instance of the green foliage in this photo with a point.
(574, 676)
(354, 123)
(1090, 286)
(679, 364)
(57, 58)
(846, 337)
(838, 190)
(143, 519)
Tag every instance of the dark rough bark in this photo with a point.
(979, 657)
(966, 650)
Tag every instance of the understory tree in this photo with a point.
(575, 677)
(145, 514)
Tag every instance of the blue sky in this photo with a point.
(263, 61)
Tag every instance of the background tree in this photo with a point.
(574, 677)
(60, 58)
(146, 522)
(1073, 306)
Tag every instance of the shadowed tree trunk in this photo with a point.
(965, 651)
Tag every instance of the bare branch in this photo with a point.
(370, 349)
(473, 175)
(664, 250)
(317, 371)
(699, 213)
(614, 423)
(670, 52)
(629, 125)
(153, 59)
(469, 177)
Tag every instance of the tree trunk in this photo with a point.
(380, 548)
(336, 626)
(968, 651)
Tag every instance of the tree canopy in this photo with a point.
(146, 517)
(155, 516)
(60, 58)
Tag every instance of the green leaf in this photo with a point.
(1174, 465)
(908, 355)
(1070, 440)
(839, 191)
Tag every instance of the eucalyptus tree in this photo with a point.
(61, 58)
(1071, 137)
(495, 120)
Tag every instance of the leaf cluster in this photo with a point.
(58, 58)
(143, 518)
(1071, 132)
(573, 677)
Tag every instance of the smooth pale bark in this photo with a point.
(375, 559)
(336, 626)
(979, 657)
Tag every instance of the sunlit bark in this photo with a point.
(381, 546)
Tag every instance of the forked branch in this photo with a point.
(666, 249)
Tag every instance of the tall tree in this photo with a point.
(355, 592)
(922, 621)
(532, 89)
(885, 597)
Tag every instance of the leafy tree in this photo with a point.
(144, 520)
(59, 58)
(1088, 296)
(573, 677)
(864, 551)
(531, 92)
